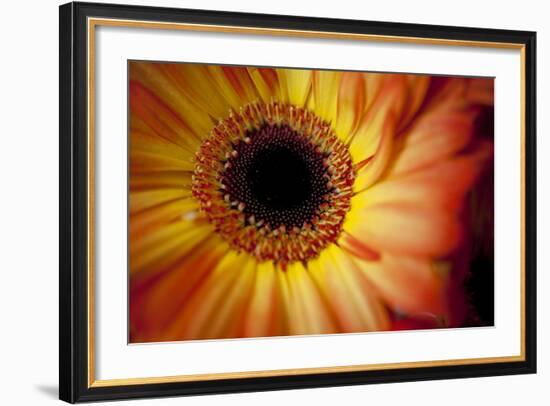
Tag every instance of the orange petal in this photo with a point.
(240, 80)
(164, 122)
(421, 321)
(409, 285)
(445, 93)
(407, 229)
(436, 137)
(357, 247)
(154, 302)
(265, 314)
(180, 87)
(481, 90)
(351, 103)
(350, 297)
(441, 186)
(374, 82)
(417, 87)
(203, 316)
(233, 84)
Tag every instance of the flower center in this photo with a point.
(279, 177)
(275, 181)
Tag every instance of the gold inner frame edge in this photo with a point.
(92, 23)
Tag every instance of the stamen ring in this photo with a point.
(275, 181)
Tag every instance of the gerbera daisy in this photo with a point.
(273, 202)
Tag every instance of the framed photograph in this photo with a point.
(257, 202)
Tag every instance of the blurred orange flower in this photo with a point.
(272, 202)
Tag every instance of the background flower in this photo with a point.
(419, 213)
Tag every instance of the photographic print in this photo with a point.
(359, 196)
(275, 202)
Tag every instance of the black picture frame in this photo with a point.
(74, 383)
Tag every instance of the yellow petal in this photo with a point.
(239, 79)
(206, 104)
(228, 318)
(298, 84)
(376, 166)
(266, 82)
(349, 294)
(387, 106)
(160, 180)
(159, 121)
(143, 160)
(161, 247)
(307, 312)
(149, 153)
(233, 84)
(144, 199)
(164, 213)
(325, 94)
